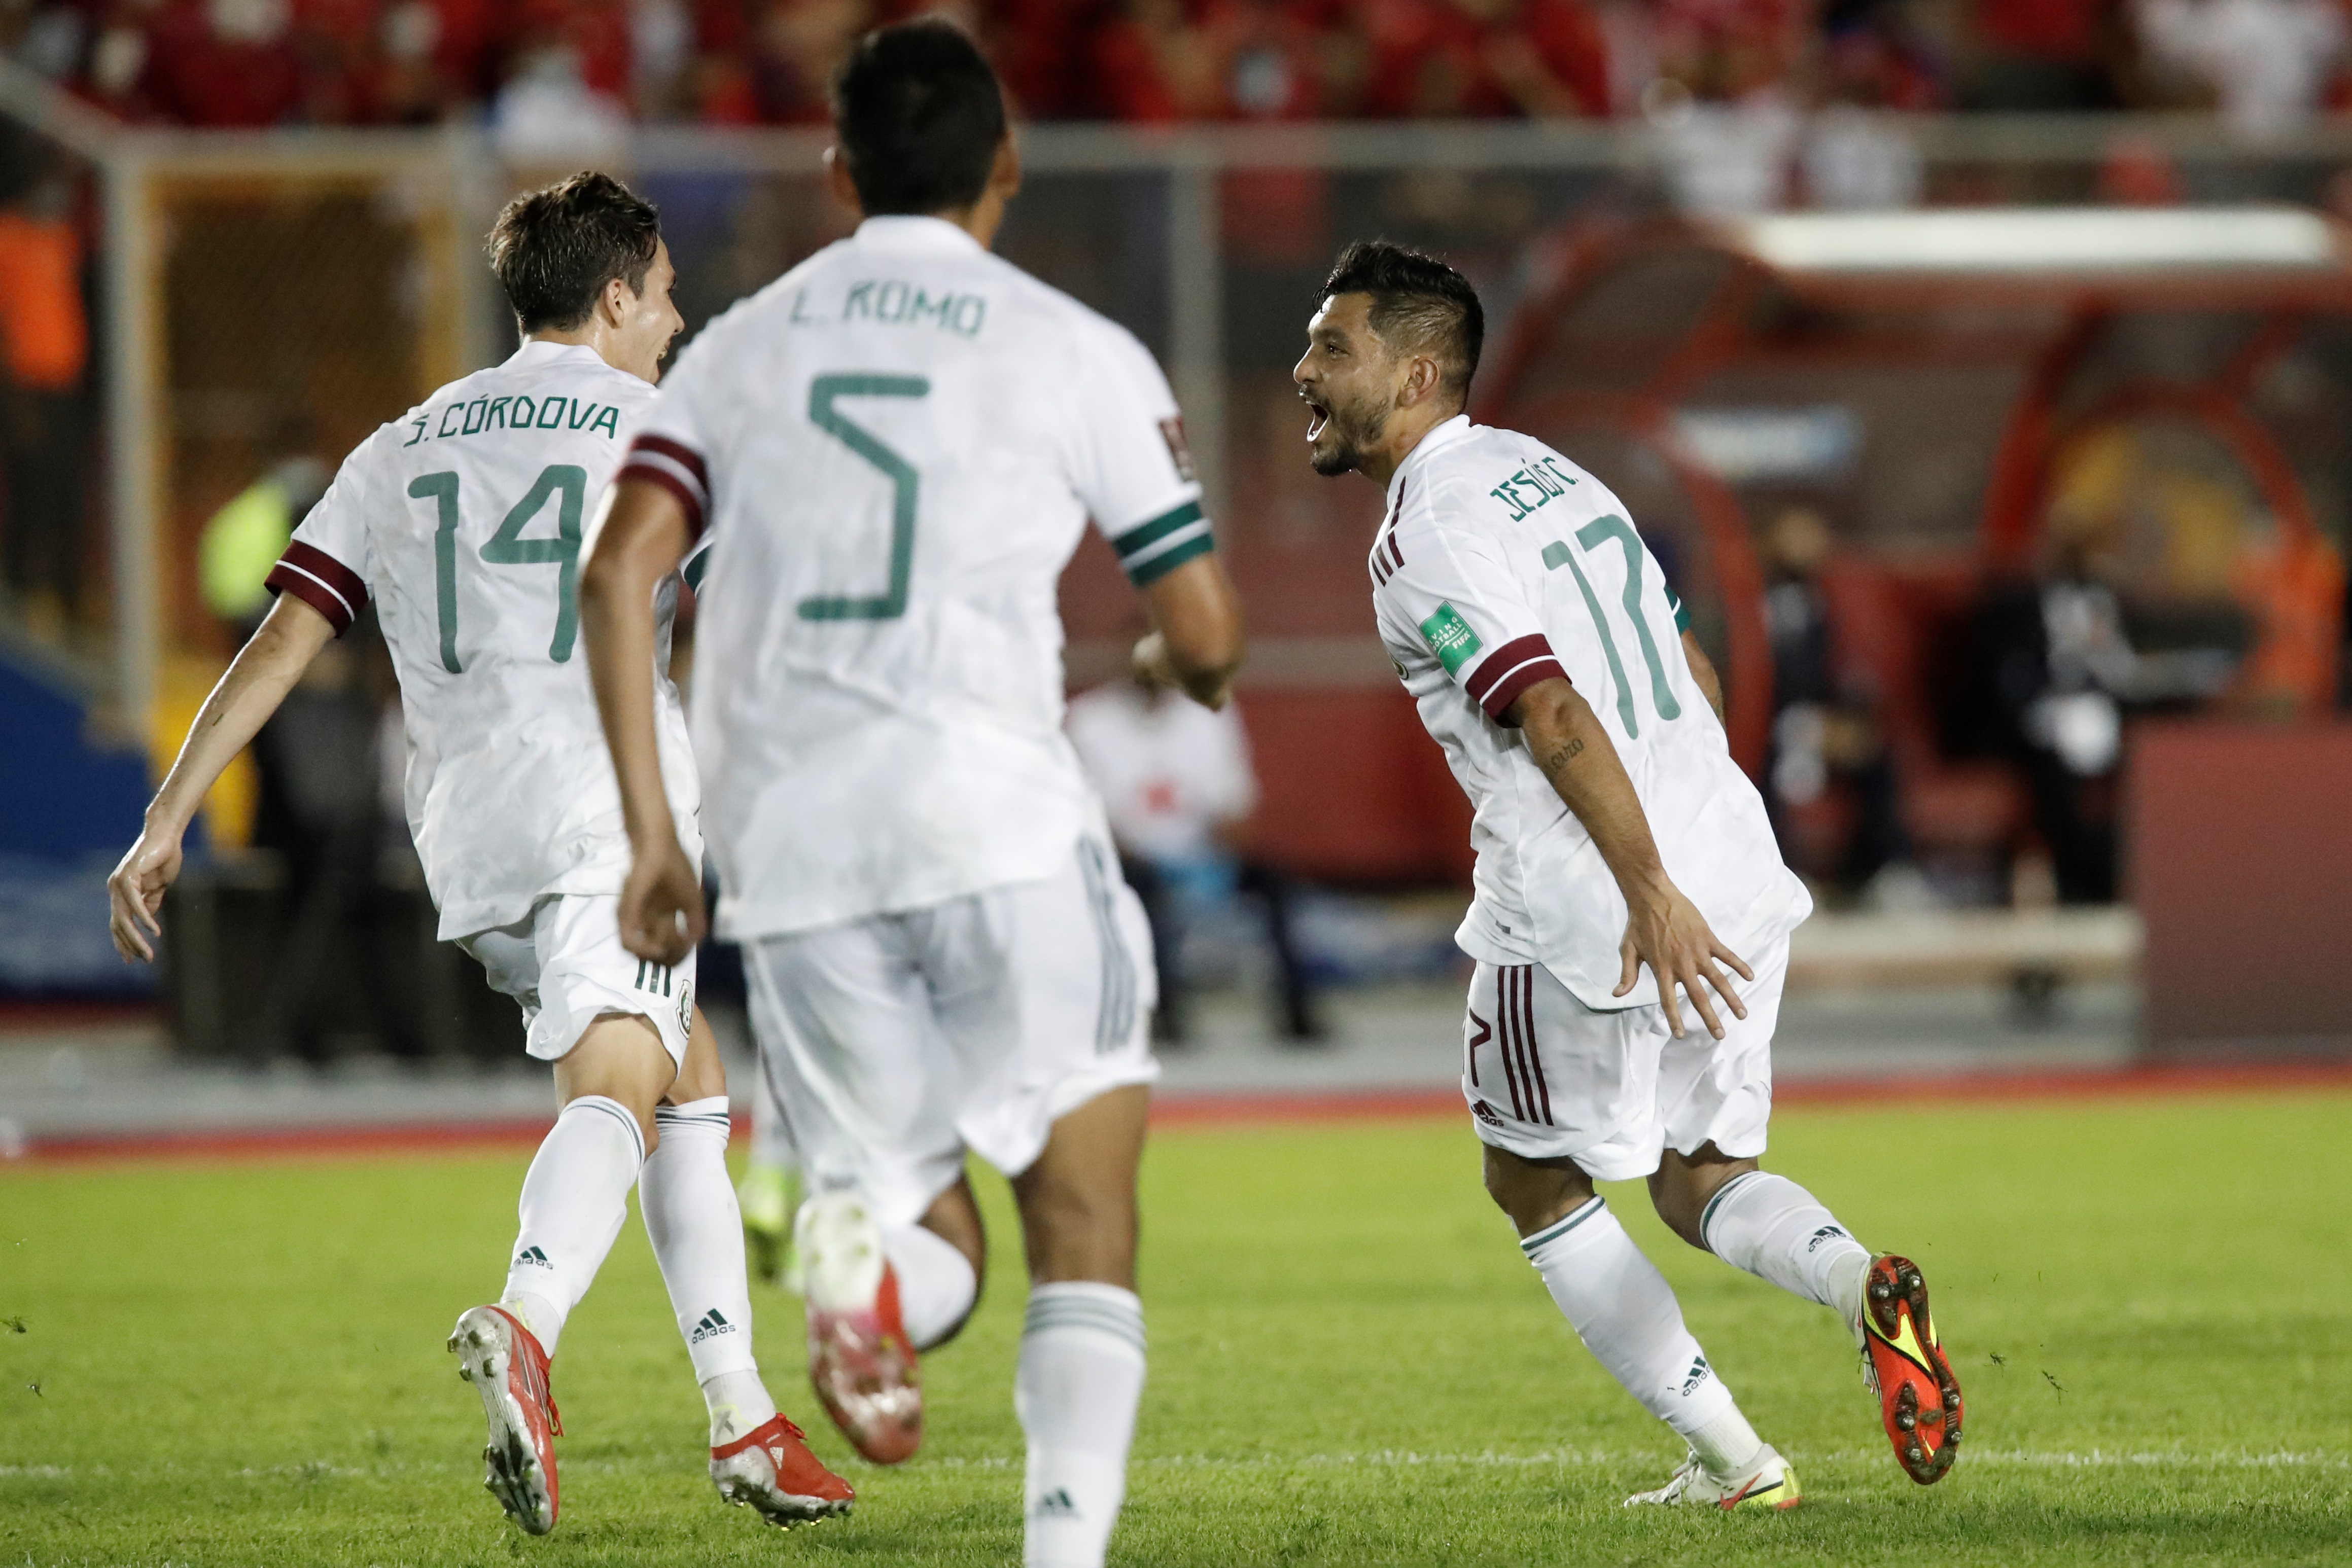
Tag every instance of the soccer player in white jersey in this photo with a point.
(463, 520)
(1614, 836)
(894, 449)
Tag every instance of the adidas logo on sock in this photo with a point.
(532, 1258)
(1055, 1504)
(1824, 1234)
(1697, 1376)
(713, 1323)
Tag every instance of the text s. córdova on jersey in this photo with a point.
(518, 412)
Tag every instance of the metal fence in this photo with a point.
(255, 292)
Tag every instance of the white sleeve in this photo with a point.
(680, 435)
(1451, 587)
(1128, 461)
(326, 563)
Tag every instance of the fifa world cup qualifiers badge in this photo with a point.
(1171, 431)
(1450, 637)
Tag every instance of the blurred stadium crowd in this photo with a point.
(552, 68)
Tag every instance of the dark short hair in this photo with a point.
(1418, 303)
(554, 249)
(920, 115)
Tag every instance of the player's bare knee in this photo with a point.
(1534, 1193)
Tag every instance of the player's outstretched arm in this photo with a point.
(1197, 643)
(1703, 672)
(1663, 928)
(257, 680)
(639, 540)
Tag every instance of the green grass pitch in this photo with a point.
(2150, 1304)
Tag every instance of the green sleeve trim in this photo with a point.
(1145, 535)
(696, 568)
(1168, 560)
(1152, 549)
(1681, 612)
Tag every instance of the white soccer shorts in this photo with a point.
(1549, 1078)
(563, 962)
(896, 1042)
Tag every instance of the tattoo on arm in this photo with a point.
(1560, 756)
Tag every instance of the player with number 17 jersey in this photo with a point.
(463, 520)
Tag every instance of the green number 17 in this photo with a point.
(1556, 555)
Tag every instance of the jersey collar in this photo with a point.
(538, 352)
(1445, 434)
(903, 232)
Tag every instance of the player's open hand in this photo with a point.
(134, 893)
(1672, 937)
(662, 917)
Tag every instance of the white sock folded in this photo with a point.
(575, 1199)
(1075, 1390)
(937, 1285)
(1626, 1314)
(1778, 1231)
(696, 1230)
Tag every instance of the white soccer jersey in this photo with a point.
(465, 520)
(1500, 564)
(895, 448)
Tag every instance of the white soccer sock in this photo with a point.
(574, 1201)
(1080, 1375)
(936, 1282)
(697, 1235)
(1626, 1314)
(1778, 1231)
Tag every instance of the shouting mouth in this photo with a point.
(1318, 417)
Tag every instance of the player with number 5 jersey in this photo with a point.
(894, 449)
(464, 524)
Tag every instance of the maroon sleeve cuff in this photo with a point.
(677, 468)
(321, 581)
(1509, 670)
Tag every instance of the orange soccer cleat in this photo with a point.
(1903, 1361)
(861, 1363)
(503, 1361)
(771, 1472)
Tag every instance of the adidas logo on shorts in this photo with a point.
(1484, 1113)
(713, 1323)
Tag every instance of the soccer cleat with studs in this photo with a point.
(771, 1472)
(1903, 1361)
(503, 1361)
(1768, 1485)
(861, 1363)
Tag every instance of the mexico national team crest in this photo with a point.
(1172, 431)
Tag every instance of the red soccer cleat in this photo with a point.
(1903, 1361)
(504, 1362)
(771, 1472)
(861, 1363)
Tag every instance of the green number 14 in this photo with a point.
(567, 481)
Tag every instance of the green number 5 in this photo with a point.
(1556, 555)
(906, 487)
(508, 548)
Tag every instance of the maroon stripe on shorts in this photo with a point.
(1534, 1055)
(1503, 1029)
